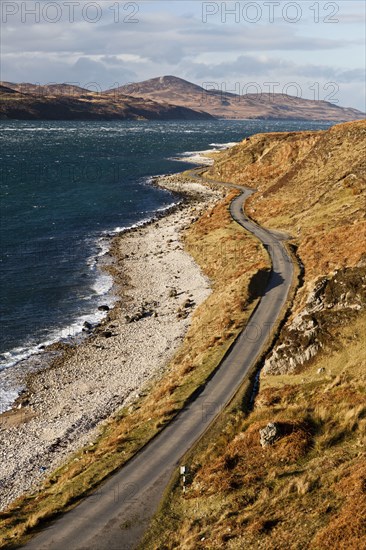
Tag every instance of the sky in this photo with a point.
(310, 49)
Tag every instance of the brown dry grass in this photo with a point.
(305, 491)
(347, 528)
(308, 489)
(310, 184)
(231, 258)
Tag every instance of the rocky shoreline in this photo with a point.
(158, 286)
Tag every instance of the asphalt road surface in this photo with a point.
(117, 515)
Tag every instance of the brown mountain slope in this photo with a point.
(5, 90)
(227, 105)
(57, 103)
(168, 91)
(310, 184)
(48, 90)
(307, 489)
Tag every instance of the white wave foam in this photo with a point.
(103, 284)
(101, 295)
(224, 145)
(200, 157)
(40, 129)
(103, 245)
(21, 353)
(194, 157)
(7, 398)
(125, 228)
(141, 223)
(61, 334)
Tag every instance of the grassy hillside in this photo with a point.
(239, 105)
(165, 97)
(307, 489)
(310, 184)
(71, 103)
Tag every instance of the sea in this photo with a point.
(66, 187)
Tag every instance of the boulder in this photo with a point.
(269, 434)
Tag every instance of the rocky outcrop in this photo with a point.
(333, 301)
(146, 309)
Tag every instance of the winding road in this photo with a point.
(116, 516)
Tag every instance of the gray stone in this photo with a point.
(269, 434)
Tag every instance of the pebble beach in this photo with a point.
(65, 404)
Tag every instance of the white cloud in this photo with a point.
(167, 40)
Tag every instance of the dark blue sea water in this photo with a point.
(66, 184)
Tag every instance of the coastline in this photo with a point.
(34, 356)
(66, 403)
(225, 458)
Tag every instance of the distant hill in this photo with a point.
(63, 102)
(175, 90)
(166, 97)
(167, 88)
(6, 90)
(48, 90)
